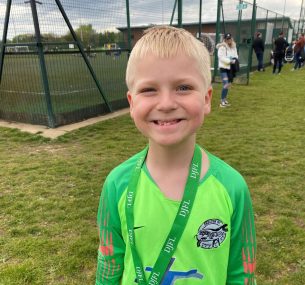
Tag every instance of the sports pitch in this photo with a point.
(70, 82)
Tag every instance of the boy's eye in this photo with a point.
(184, 88)
(147, 90)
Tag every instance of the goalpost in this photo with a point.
(17, 49)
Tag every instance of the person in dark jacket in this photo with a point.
(280, 45)
(259, 47)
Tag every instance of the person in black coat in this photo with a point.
(280, 45)
(259, 47)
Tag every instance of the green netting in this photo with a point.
(69, 92)
(74, 94)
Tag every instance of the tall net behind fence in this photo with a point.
(74, 94)
(70, 83)
(244, 21)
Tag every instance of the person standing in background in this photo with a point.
(259, 47)
(280, 45)
(298, 48)
(227, 55)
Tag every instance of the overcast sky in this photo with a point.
(109, 14)
(292, 7)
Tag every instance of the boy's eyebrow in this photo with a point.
(144, 82)
(185, 78)
(177, 80)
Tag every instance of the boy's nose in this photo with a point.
(167, 101)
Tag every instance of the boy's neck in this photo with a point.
(169, 167)
(170, 156)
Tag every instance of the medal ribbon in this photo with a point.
(178, 226)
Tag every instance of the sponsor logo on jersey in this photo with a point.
(211, 234)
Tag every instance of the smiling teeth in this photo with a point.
(166, 123)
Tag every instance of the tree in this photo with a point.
(24, 38)
(109, 37)
(87, 35)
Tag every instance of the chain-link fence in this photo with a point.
(244, 20)
(64, 61)
(55, 79)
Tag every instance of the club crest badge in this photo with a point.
(211, 234)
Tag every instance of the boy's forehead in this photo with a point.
(152, 60)
(140, 57)
(176, 69)
(157, 57)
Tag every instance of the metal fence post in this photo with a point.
(217, 39)
(266, 25)
(300, 30)
(44, 74)
(81, 49)
(200, 18)
(173, 13)
(275, 21)
(128, 26)
(253, 25)
(4, 36)
(238, 27)
(180, 13)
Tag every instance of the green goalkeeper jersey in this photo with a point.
(217, 246)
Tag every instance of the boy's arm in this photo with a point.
(111, 250)
(241, 267)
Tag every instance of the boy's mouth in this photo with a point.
(166, 123)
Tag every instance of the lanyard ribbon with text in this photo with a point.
(178, 226)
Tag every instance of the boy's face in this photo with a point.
(168, 99)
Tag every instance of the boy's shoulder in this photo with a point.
(120, 175)
(225, 173)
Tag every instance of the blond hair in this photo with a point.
(167, 42)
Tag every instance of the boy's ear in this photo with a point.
(130, 101)
(208, 101)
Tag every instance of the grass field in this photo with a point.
(49, 190)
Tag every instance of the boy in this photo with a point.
(174, 213)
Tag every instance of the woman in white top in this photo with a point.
(227, 54)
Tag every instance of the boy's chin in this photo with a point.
(172, 142)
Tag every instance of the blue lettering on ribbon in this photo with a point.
(171, 276)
